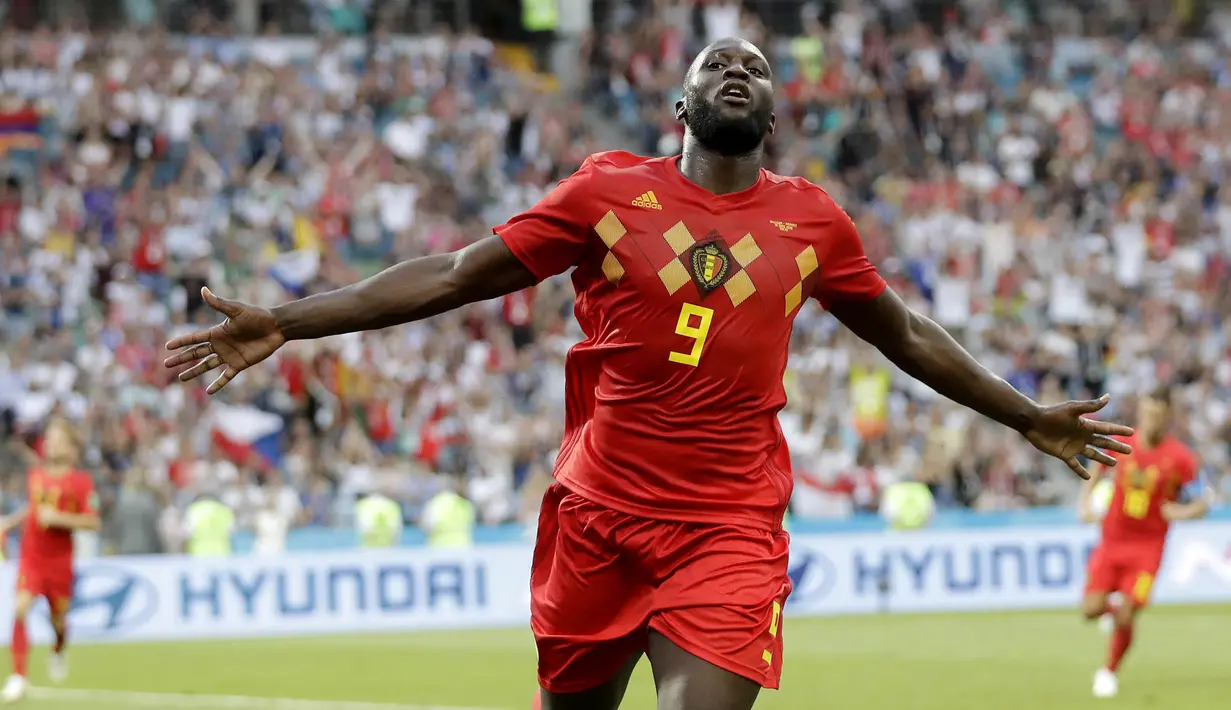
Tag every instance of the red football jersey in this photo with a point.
(1144, 481)
(71, 492)
(686, 300)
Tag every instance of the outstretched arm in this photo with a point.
(849, 287)
(546, 240)
(926, 352)
(410, 291)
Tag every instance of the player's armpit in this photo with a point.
(846, 275)
(410, 291)
(550, 237)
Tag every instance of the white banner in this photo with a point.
(407, 589)
(155, 598)
(987, 569)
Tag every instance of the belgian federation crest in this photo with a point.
(710, 265)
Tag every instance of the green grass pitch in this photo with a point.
(1003, 661)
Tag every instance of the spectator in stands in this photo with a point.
(134, 526)
(449, 518)
(209, 525)
(1056, 198)
(378, 520)
(278, 510)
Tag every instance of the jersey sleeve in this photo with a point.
(89, 495)
(845, 273)
(1195, 483)
(1190, 469)
(1196, 489)
(549, 238)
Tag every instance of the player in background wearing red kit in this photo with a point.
(662, 535)
(61, 500)
(1155, 486)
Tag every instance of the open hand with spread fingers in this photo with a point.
(247, 336)
(1066, 432)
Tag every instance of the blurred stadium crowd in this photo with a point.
(1044, 179)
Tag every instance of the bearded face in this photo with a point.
(728, 102)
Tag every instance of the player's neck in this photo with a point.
(719, 174)
(56, 468)
(1152, 441)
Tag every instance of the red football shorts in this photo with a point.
(53, 583)
(1127, 569)
(601, 579)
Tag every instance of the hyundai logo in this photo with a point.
(812, 575)
(110, 602)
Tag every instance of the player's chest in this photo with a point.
(55, 493)
(1148, 473)
(737, 261)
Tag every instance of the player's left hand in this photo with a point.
(1173, 512)
(48, 516)
(1066, 432)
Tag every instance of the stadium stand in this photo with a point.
(1044, 179)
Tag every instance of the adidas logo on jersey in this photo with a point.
(647, 200)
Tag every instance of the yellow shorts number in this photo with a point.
(1136, 503)
(1142, 587)
(684, 326)
(768, 655)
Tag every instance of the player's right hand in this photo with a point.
(247, 336)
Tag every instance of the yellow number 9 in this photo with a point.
(685, 327)
(768, 655)
(1140, 491)
(1136, 503)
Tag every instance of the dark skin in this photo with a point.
(728, 102)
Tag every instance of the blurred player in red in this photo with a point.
(61, 501)
(1155, 486)
(662, 535)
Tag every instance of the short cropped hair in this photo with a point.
(1161, 393)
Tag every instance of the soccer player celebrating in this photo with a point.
(662, 534)
(1155, 486)
(61, 500)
